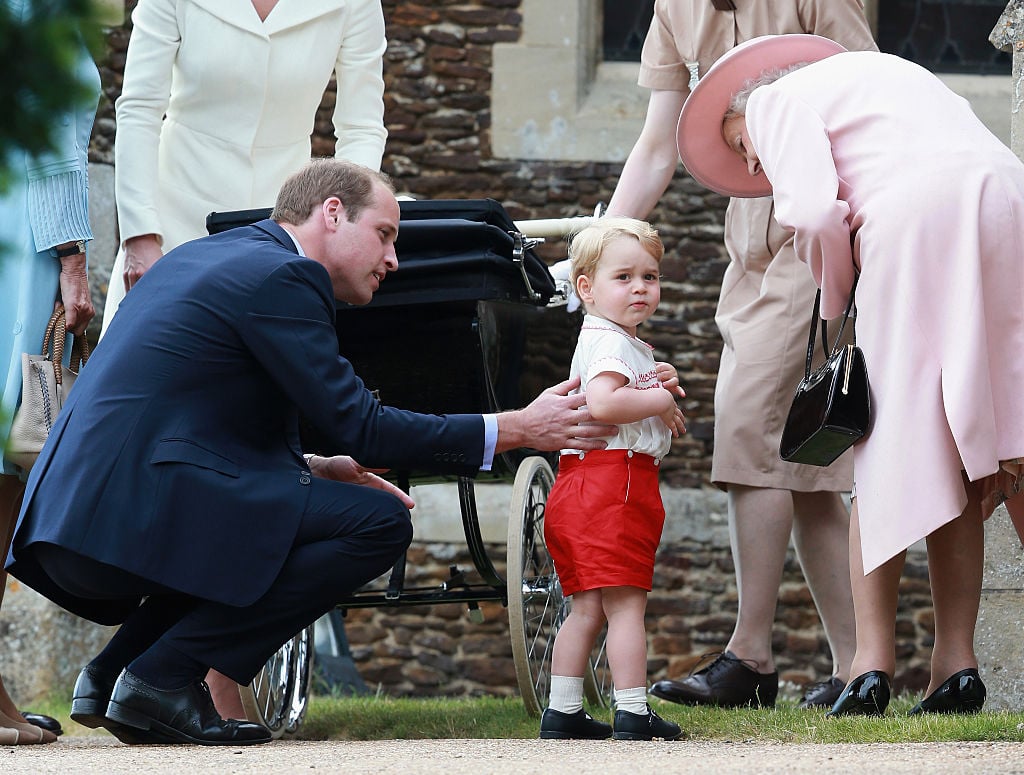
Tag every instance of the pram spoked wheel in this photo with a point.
(278, 696)
(536, 606)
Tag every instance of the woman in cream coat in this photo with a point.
(217, 107)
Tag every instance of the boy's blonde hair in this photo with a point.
(587, 246)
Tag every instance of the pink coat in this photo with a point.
(876, 164)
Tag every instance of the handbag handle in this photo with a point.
(54, 340)
(824, 327)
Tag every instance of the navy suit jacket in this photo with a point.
(177, 455)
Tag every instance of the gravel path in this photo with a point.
(85, 755)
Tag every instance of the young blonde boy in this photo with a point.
(604, 515)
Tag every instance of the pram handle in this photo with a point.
(553, 228)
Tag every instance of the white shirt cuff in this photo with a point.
(490, 440)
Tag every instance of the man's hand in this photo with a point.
(140, 253)
(553, 421)
(342, 468)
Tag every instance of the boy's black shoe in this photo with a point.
(555, 725)
(633, 726)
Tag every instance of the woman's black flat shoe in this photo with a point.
(48, 723)
(962, 692)
(865, 695)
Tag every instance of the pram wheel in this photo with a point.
(278, 696)
(536, 607)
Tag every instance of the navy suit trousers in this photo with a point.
(349, 535)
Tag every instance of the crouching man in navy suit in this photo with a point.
(172, 496)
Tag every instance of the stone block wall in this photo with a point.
(43, 647)
(438, 80)
(997, 639)
(437, 73)
(438, 112)
(426, 651)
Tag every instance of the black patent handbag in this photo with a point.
(832, 406)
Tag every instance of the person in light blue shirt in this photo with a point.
(44, 228)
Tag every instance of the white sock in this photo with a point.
(566, 693)
(631, 700)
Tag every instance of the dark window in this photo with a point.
(625, 27)
(946, 36)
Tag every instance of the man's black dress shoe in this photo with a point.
(822, 694)
(89, 707)
(633, 726)
(49, 723)
(184, 715)
(728, 682)
(555, 725)
(962, 692)
(865, 695)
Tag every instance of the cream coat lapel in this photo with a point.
(287, 13)
(292, 13)
(237, 13)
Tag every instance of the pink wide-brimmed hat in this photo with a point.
(702, 148)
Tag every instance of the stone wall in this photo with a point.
(436, 650)
(438, 76)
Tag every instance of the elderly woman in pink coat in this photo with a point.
(879, 169)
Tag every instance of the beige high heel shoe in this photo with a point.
(25, 733)
(8, 736)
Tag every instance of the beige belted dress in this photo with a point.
(764, 308)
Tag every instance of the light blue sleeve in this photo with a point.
(58, 209)
(58, 181)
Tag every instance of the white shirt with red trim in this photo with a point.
(604, 346)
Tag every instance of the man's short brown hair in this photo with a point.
(321, 179)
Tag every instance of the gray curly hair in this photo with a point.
(738, 103)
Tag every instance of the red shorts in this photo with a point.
(603, 520)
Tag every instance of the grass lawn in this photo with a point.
(381, 718)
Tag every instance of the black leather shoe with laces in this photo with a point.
(962, 692)
(822, 694)
(184, 715)
(866, 695)
(728, 682)
(89, 707)
(555, 725)
(634, 726)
